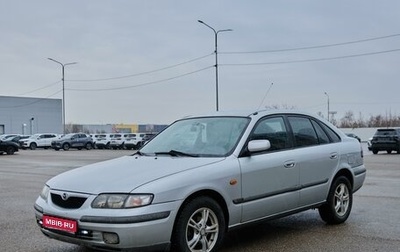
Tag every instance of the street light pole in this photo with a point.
(328, 104)
(63, 89)
(216, 58)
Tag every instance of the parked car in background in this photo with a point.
(147, 137)
(95, 138)
(8, 146)
(134, 140)
(16, 139)
(386, 140)
(103, 141)
(4, 136)
(203, 176)
(73, 140)
(354, 136)
(42, 140)
(117, 141)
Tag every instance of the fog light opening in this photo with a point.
(110, 238)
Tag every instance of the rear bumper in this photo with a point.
(385, 146)
(360, 173)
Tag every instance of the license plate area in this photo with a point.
(66, 225)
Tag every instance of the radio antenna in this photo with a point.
(270, 86)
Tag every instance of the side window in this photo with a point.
(322, 136)
(332, 135)
(303, 131)
(274, 130)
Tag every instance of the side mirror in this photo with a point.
(258, 145)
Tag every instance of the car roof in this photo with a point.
(255, 113)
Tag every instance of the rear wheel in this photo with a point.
(33, 146)
(389, 151)
(199, 227)
(374, 151)
(340, 200)
(88, 146)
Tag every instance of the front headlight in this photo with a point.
(45, 192)
(119, 201)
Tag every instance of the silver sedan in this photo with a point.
(202, 176)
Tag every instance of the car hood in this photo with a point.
(124, 174)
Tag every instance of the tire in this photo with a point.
(88, 146)
(374, 151)
(340, 200)
(389, 151)
(66, 146)
(200, 226)
(32, 146)
(10, 150)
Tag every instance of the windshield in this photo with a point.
(206, 136)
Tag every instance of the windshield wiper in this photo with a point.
(139, 153)
(176, 153)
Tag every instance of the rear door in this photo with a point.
(318, 157)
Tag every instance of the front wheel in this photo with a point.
(199, 227)
(340, 200)
(66, 146)
(33, 146)
(10, 151)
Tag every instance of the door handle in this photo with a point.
(333, 155)
(289, 164)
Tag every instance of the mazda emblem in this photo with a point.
(64, 196)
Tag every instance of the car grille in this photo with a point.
(70, 203)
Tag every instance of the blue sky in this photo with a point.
(152, 62)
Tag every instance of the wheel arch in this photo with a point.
(209, 193)
(346, 173)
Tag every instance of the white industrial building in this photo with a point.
(28, 116)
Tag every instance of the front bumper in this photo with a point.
(140, 228)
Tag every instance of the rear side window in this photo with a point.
(332, 134)
(328, 132)
(303, 131)
(322, 136)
